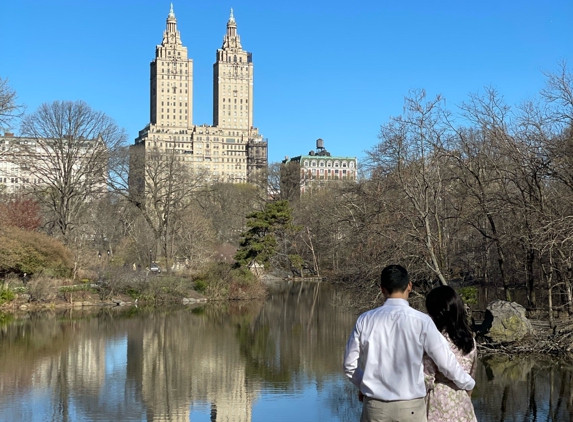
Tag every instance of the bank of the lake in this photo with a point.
(124, 287)
(221, 282)
(554, 338)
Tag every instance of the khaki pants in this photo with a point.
(393, 411)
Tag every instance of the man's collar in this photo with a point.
(394, 301)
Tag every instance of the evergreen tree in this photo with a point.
(268, 230)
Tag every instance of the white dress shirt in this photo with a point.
(384, 353)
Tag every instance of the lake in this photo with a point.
(278, 360)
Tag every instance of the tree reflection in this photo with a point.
(225, 359)
(513, 388)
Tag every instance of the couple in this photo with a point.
(407, 370)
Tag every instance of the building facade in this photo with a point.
(231, 150)
(315, 170)
(27, 163)
(15, 175)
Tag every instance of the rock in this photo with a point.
(189, 300)
(23, 307)
(24, 296)
(505, 322)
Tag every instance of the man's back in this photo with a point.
(392, 340)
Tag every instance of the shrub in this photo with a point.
(6, 295)
(221, 281)
(43, 289)
(200, 286)
(469, 295)
(114, 280)
(31, 252)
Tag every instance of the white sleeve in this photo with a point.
(436, 346)
(351, 358)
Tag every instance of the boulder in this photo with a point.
(505, 322)
(24, 297)
(189, 300)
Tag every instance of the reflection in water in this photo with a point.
(277, 360)
(524, 389)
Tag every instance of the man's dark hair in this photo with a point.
(394, 278)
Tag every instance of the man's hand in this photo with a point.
(469, 392)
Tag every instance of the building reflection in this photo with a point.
(221, 360)
(185, 359)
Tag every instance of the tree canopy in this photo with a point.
(266, 230)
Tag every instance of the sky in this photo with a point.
(335, 70)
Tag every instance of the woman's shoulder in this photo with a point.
(456, 349)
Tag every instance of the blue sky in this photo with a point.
(323, 69)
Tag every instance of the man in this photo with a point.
(384, 355)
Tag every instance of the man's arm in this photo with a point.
(351, 358)
(436, 346)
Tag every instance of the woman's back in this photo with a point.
(447, 403)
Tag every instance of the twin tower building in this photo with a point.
(229, 151)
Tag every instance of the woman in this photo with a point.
(447, 403)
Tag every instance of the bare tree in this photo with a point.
(273, 181)
(162, 186)
(478, 160)
(559, 93)
(67, 157)
(227, 206)
(194, 238)
(10, 109)
(409, 152)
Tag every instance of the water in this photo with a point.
(279, 360)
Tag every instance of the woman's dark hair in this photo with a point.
(447, 310)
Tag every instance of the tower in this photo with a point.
(171, 80)
(231, 150)
(233, 82)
